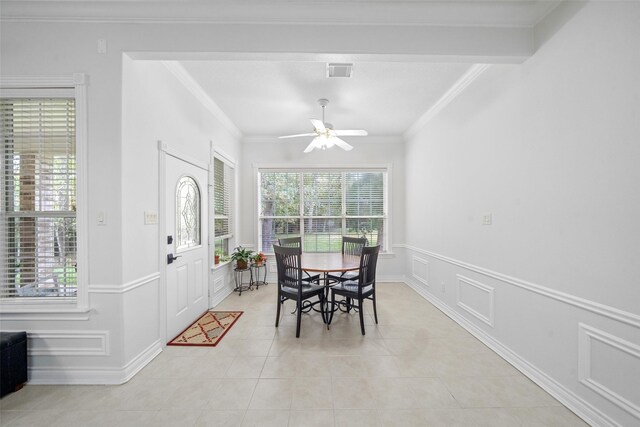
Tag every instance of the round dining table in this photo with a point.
(325, 263)
(321, 262)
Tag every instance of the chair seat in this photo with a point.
(350, 289)
(307, 290)
(347, 275)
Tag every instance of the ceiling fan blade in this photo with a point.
(340, 143)
(358, 132)
(311, 146)
(295, 136)
(318, 125)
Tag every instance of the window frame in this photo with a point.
(230, 236)
(38, 87)
(386, 169)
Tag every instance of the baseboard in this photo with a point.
(110, 376)
(219, 296)
(142, 360)
(581, 408)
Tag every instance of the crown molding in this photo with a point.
(196, 90)
(473, 73)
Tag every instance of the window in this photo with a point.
(321, 206)
(223, 180)
(188, 214)
(38, 240)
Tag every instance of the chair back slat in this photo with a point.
(289, 266)
(368, 265)
(353, 245)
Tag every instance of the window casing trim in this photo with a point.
(217, 153)
(78, 83)
(386, 168)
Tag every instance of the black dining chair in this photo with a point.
(296, 242)
(350, 246)
(291, 286)
(361, 289)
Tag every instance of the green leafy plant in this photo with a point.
(241, 256)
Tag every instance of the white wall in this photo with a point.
(372, 151)
(550, 149)
(156, 107)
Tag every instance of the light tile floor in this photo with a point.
(415, 368)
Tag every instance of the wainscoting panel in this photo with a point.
(476, 299)
(68, 343)
(273, 267)
(610, 366)
(420, 270)
(94, 374)
(218, 284)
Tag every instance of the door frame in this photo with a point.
(165, 150)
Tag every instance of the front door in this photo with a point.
(187, 250)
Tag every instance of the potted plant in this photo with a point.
(241, 256)
(217, 256)
(259, 258)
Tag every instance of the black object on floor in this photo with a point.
(13, 361)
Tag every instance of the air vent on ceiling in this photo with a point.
(339, 70)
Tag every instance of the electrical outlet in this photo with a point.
(486, 219)
(102, 46)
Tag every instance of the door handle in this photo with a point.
(171, 258)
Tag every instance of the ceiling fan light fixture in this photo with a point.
(325, 135)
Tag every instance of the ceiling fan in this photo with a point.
(325, 135)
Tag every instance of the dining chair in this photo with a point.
(361, 289)
(296, 242)
(350, 246)
(292, 287)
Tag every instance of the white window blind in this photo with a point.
(38, 238)
(223, 184)
(321, 206)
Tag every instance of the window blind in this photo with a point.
(38, 181)
(222, 194)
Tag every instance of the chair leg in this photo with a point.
(299, 306)
(375, 312)
(278, 312)
(361, 313)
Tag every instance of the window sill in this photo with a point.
(218, 266)
(43, 310)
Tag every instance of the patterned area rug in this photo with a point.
(208, 330)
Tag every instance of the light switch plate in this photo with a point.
(150, 218)
(101, 218)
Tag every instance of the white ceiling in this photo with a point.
(274, 96)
